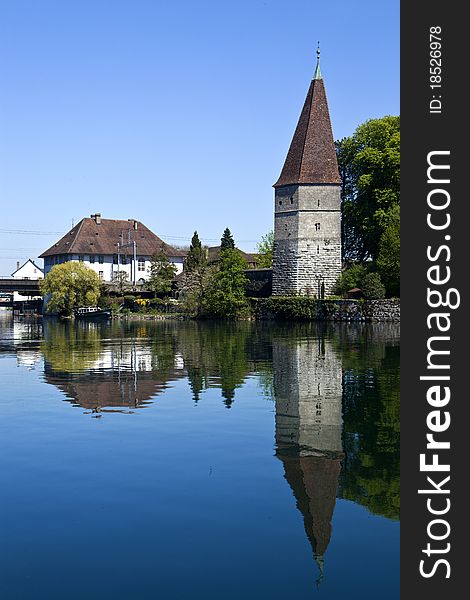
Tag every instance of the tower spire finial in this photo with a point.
(318, 74)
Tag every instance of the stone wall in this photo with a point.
(309, 309)
(307, 239)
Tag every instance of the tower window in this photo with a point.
(292, 200)
(318, 201)
(280, 202)
(317, 226)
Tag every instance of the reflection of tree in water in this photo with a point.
(71, 347)
(216, 355)
(371, 409)
(135, 361)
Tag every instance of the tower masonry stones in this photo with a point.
(307, 220)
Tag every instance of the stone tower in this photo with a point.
(307, 223)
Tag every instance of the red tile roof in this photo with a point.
(312, 157)
(101, 236)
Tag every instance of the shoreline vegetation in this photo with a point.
(217, 287)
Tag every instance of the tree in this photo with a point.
(350, 278)
(265, 251)
(162, 273)
(196, 276)
(196, 256)
(69, 286)
(227, 242)
(388, 260)
(226, 296)
(369, 164)
(121, 281)
(372, 287)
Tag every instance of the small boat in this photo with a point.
(92, 312)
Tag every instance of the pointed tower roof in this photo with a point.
(312, 157)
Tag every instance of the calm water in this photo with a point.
(189, 460)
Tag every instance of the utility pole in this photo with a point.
(135, 266)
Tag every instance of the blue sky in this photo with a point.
(178, 114)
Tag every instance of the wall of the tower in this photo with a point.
(307, 239)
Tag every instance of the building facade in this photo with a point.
(307, 220)
(28, 270)
(110, 247)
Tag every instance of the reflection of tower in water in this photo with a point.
(308, 392)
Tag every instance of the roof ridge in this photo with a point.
(301, 161)
(79, 228)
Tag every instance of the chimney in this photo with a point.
(96, 218)
(134, 223)
(17, 265)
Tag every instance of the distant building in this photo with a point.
(213, 256)
(307, 224)
(28, 270)
(111, 246)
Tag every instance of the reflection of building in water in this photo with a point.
(122, 376)
(308, 392)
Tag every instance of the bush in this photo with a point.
(129, 301)
(372, 287)
(350, 278)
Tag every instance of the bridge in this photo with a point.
(26, 287)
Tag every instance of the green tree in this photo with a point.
(369, 164)
(372, 287)
(227, 242)
(226, 295)
(350, 278)
(196, 276)
(69, 286)
(265, 251)
(196, 256)
(161, 273)
(121, 281)
(388, 260)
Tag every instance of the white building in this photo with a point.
(111, 246)
(29, 270)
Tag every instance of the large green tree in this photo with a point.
(161, 273)
(369, 164)
(69, 286)
(226, 293)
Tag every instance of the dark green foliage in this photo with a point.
(371, 420)
(196, 277)
(350, 278)
(369, 164)
(226, 295)
(129, 301)
(265, 251)
(227, 242)
(196, 256)
(372, 287)
(388, 260)
(162, 273)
